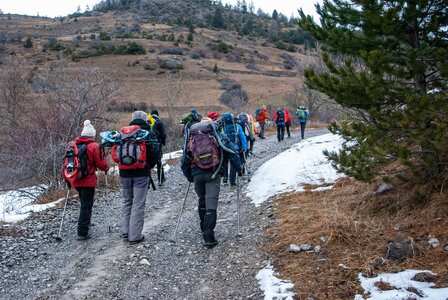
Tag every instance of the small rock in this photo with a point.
(434, 243)
(306, 247)
(40, 227)
(318, 249)
(323, 239)
(384, 188)
(398, 227)
(294, 248)
(145, 262)
(446, 248)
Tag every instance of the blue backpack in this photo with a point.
(229, 128)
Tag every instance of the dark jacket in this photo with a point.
(146, 171)
(189, 172)
(160, 128)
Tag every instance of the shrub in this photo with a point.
(28, 43)
(104, 36)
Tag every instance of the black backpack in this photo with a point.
(280, 116)
(153, 148)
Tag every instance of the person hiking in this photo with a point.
(261, 117)
(279, 119)
(236, 135)
(192, 117)
(288, 122)
(246, 124)
(159, 127)
(86, 186)
(201, 163)
(135, 189)
(302, 113)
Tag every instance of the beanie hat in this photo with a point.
(88, 129)
(194, 111)
(139, 114)
(154, 112)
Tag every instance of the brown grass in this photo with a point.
(357, 226)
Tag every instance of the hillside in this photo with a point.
(170, 59)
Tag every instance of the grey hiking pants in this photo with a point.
(135, 190)
(207, 190)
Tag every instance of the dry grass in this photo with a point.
(357, 226)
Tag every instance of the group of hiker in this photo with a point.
(213, 145)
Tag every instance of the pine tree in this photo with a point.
(218, 20)
(394, 76)
(275, 15)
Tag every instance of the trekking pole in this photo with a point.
(239, 234)
(108, 204)
(58, 237)
(180, 213)
(248, 167)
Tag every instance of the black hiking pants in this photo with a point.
(85, 213)
(287, 130)
(280, 132)
(302, 129)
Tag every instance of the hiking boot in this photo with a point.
(262, 137)
(224, 180)
(209, 225)
(137, 241)
(124, 235)
(232, 184)
(83, 237)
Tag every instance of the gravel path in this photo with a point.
(35, 266)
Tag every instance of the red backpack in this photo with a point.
(203, 146)
(75, 162)
(130, 153)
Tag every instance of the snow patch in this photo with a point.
(273, 287)
(403, 284)
(302, 163)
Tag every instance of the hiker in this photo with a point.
(261, 117)
(192, 117)
(244, 121)
(236, 135)
(302, 113)
(86, 186)
(135, 189)
(288, 122)
(200, 163)
(279, 119)
(159, 127)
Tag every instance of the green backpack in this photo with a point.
(301, 114)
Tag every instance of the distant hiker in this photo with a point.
(86, 184)
(246, 124)
(192, 117)
(159, 127)
(302, 113)
(236, 135)
(261, 117)
(204, 151)
(279, 119)
(288, 122)
(135, 181)
(214, 116)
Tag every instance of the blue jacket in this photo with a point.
(307, 114)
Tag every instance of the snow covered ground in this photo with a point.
(302, 163)
(273, 287)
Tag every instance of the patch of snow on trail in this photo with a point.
(402, 282)
(273, 287)
(302, 163)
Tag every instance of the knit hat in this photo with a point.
(154, 112)
(88, 129)
(139, 114)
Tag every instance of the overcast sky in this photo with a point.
(55, 8)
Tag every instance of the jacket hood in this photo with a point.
(141, 123)
(83, 140)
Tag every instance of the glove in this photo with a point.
(69, 185)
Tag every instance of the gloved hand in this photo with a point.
(69, 185)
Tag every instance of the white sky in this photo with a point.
(56, 8)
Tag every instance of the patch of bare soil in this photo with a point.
(356, 226)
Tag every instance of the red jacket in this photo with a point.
(263, 116)
(93, 154)
(287, 117)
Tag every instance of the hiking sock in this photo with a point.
(201, 212)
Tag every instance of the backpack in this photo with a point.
(130, 152)
(257, 114)
(190, 117)
(153, 148)
(75, 162)
(280, 116)
(229, 127)
(242, 119)
(203, 146)
(301, 114)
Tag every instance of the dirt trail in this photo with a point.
(108, 267)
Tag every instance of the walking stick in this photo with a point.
(58, 237)
(180, 213)
(108, 204)
(239, 234)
